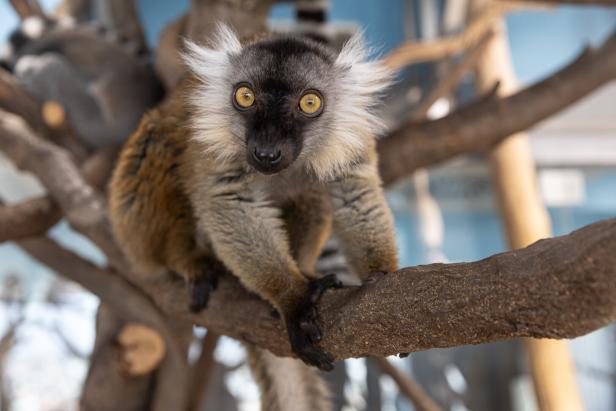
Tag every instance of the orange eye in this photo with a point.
(311, 104)
(244, 97)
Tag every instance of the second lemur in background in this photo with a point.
(265, 148)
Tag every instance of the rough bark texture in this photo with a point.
(481, 125)
(556, 288)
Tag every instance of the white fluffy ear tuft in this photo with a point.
(353, 51)
(225, 39)
(212, 119)
(206, 62)
(369, 78)
(359, 86)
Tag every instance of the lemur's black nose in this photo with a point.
(267, 156)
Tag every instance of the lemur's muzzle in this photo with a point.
(269, 158)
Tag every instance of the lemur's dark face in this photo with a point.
(284, 101)
(280, 95)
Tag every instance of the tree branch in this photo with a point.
(410, 388)
(82, 205)
(450, 81)
(27, 8)
(483, 124)
(16, 100)
(27, 219)
(35, 216)
(126, 300)
(557, 288)
(121, 16)
(202, 372)
(414, 52)
(78, 10)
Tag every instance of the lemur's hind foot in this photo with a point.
(203, 283)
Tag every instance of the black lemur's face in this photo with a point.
(285, 101)
(280, 92)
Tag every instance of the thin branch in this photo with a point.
(27, 8)
(411, 389)
(70, 347)
(121, 16)
(450, 81)
(413, 52)
(481, 125)
(35, 216)
(202, 371)
(78, 10)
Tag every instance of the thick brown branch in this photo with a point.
(485, 123)
(35, 216)
(557, 288)
(126, 300)
(27, 219)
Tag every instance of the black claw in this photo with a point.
(303, 329)
(199, 290)
(198, 293)
(318, 287)
(403, 354)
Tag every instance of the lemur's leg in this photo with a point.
(152, 216)
(259, 255)
(363, 222)
(308, 221)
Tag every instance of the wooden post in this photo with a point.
(526, 220)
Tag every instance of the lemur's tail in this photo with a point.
(287, 384)
(311, 17)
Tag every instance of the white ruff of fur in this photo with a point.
(354, 118)
(213, 121)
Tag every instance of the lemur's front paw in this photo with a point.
(200, 287)
(304, 332)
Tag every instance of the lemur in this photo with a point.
(263, 149)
